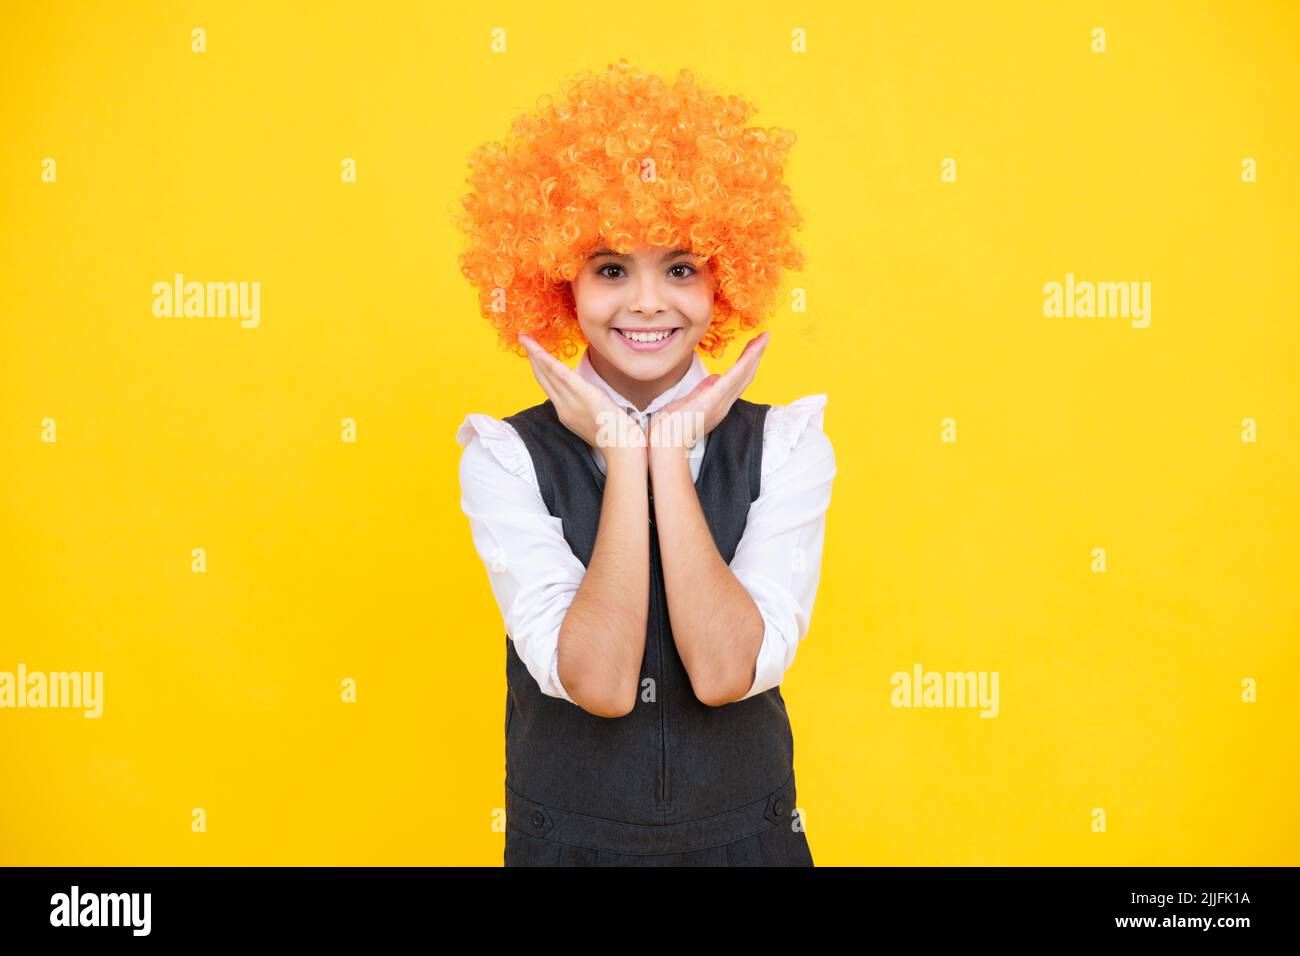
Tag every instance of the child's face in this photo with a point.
(654, 288)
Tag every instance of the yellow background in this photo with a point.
(329, 560)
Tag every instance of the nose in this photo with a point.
(647, 297)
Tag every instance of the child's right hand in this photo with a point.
(584, 409)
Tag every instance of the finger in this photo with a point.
(749, 355)
(559, 381)
(738, 377)
(702, 386)
(540, 371)
(745, 368)
(755, 357)
(554, 373)
(755, 348)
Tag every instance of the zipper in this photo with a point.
(661, 797)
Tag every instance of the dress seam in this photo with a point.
(651, 826)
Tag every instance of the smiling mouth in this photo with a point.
(647, 338)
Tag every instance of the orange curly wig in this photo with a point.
(623, 158)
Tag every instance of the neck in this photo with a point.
(640, 392)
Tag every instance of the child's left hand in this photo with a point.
(682, 423)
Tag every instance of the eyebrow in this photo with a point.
(671, 253)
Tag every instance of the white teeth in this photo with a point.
(645, 336)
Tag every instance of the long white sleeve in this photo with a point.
(533, 573)
(778, 559)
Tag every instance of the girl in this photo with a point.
(652, 539)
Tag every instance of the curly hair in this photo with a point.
(621, 158)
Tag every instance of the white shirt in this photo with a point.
(534, 575)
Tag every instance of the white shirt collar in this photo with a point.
(693, 376)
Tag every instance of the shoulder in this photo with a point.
(492, 448)
(794, 437)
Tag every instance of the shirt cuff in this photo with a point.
(769, 668)
(555, 678)
(775, 654)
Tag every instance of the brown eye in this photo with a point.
(610, 265)
(684, 265)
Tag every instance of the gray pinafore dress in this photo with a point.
(675, 782)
